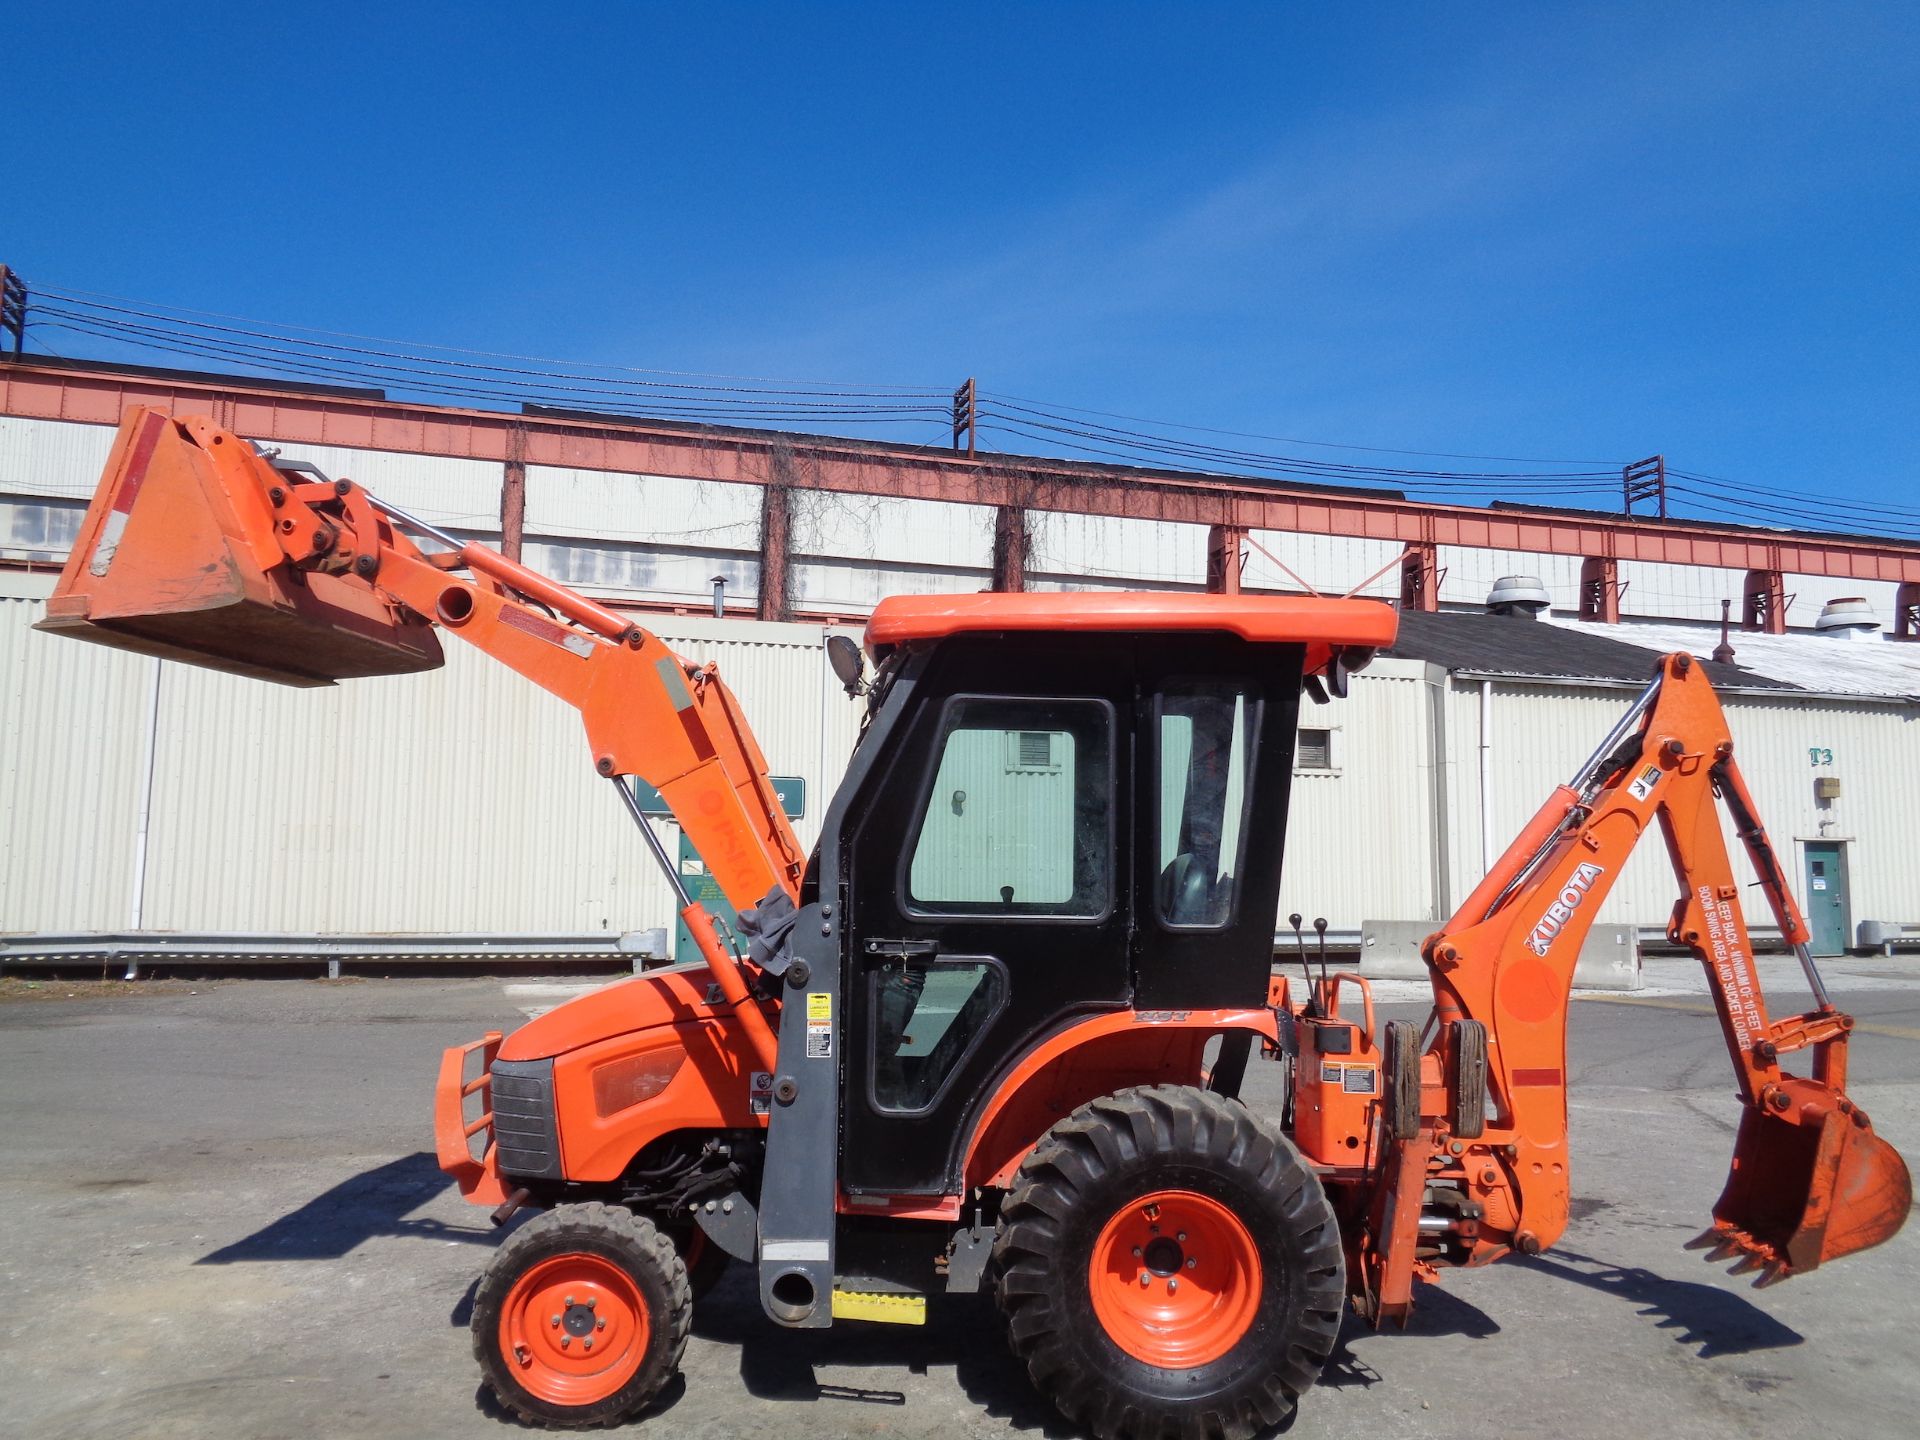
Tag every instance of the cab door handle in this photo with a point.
(903, 949)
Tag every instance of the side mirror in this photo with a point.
(1346, 662)
(849, 665)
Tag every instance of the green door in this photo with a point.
(1827, 909)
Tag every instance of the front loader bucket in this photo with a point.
(177, 558)
(1810, 1182)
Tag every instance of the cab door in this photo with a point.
(988, 892)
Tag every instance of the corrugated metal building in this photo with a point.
(146, 796)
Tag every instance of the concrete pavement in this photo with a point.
(223, 1219)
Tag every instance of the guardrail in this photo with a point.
(635, 949)
(95, 949)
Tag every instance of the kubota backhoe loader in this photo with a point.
(966, 1042)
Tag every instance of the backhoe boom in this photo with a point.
(1810, 1181)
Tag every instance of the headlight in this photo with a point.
(621, 1084)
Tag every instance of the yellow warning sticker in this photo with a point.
(819, 1006)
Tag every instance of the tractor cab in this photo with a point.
(1069, 805)
(1050, 872)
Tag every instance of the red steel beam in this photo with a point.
(293, 417)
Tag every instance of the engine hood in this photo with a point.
(659, 997)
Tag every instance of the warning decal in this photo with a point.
(819, 1025)
(1642, 786)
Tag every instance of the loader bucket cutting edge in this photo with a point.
(177, 558)
(1808, 1184)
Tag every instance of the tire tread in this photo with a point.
(1139, 1128)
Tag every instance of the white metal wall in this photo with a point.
(850, 551)
(1359, 838)
(71, 766)
(1331, 564)
(461, 799)
(1092, 552)
(457, 800)
(1540, 733)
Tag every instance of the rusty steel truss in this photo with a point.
(1230, 506)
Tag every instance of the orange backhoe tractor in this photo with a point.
(990, 1033)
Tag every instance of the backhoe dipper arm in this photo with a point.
(1810, 1181)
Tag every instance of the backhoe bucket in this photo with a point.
(177, 557)
(1810, 1182)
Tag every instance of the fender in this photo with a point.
(1086, 1060)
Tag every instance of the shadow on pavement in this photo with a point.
(961, 1330)
(1718, 1322)
(1435, 1312)
(374, 1202)
(488, 1404)
(462, 1315)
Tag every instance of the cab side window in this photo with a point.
(1019, 820)
(1205, 747)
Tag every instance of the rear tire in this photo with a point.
(1229, 1228)
(582, 1317)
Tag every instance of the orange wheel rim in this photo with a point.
(574, 1329)
(1175, 1279)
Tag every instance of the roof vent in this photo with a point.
(1521, 595)
(1850, 617)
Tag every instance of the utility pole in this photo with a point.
(13, 308)
(965, 412)
(1645, 480)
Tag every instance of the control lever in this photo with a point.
(1320, 924)
(1306, 970)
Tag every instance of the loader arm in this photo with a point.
(198, 547)
(1810, 1180)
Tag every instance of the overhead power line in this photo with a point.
(494, 378)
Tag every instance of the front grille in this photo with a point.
(525, 1137)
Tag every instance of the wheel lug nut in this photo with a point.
(565, 1341)
(1136, 1252)
(1191, 1262)
(592, 1300)
(1172, 1285)
(569, 1302)
(587, 1344)
(600, 1324)
(1145, 1279)
(556, 1322)
(1181, 1237)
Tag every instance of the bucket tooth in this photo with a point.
(1707, 1238)
(1726, 1249)
(1775, 1272)
(1747, 1264)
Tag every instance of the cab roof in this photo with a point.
(1322, 625)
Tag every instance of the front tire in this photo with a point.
(582, 1317)
(1169, 1265)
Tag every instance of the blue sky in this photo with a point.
(1584, 232)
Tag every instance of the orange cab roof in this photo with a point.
(1320, 624)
